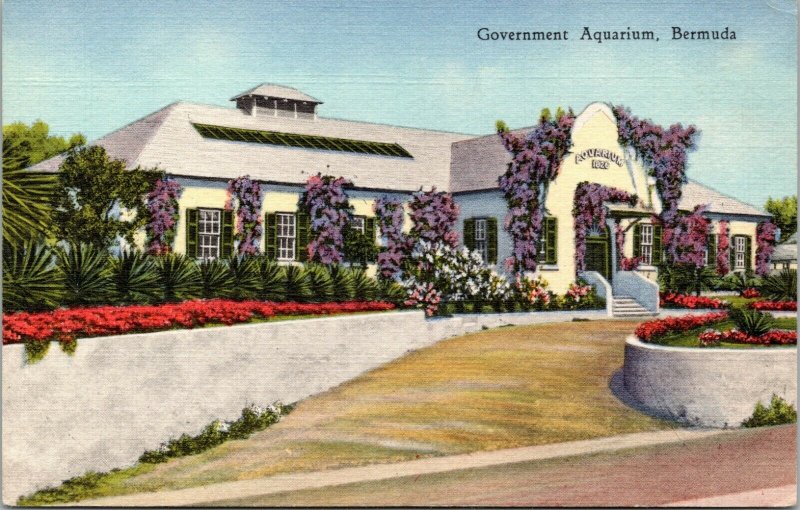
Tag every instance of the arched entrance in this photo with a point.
(598, 252)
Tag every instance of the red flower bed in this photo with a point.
(66, 325)
(671, 300)
(774, 337)
(653, 330)
(778, 306)
(750, 293)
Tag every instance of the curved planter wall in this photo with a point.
(713, 387)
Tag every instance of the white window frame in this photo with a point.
(286, 243)
(740, 243)
(359, 223)
(209, 233)
(646, 244)
(481, 238)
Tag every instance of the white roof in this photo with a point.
(167, 139)
(279, 91)
(787, 250)
(695, 194)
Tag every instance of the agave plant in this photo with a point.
(752, 322)
(781, 286)
(26, 197)
(364, 287)
(271, 280)
(343, 283)
(244, 275)
(298, 287)
(321, 283)
(216, 279)
(134, 278)
(31, 279)
(179, 276)
(87, 278)
(391, 291)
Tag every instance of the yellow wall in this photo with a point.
(193, 197)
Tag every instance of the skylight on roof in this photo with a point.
(303, 141)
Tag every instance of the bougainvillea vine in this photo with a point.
(162, 209)
(723, 249)
(433, 216)
(589, 211)
(765, 245)
(327, 204)
(244, 196)
(687, 241)
(389, 214)
(664, 152)
(535, 162)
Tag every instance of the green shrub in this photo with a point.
(271, 280)
(319, 279)
(179, 276)
(781, 286)
(134, 278)
(244, 273)
(343, 283)
(752, 322)
(779, 412)
(298, 288)
(31, 279)
(36, 350)
(391, 291)
(685, 278)
(87, 279)
(364, 287)
(216, 279)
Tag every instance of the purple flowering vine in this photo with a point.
(245, 197)
(589, 211)
(765, 245)
(664, 152)
(723, 249)
(162, 209)
(687, 240)
(390, 215)
(535, 162)
(327, 204)
(433, 216)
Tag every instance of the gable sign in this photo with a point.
(599, 153)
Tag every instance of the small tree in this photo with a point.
(92, 190)
(784, 213)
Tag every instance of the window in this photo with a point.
(646, 245)
(208, 225)
(359, 223)
(286, 224)
(740, 243)
(481, 244)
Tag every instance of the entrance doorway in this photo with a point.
(598, 255)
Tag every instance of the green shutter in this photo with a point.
(271, 220)
(732, 252)
(658, 249)
(491, 240)
(191, 233)
(637, 241)
(551, 240)
(226, 243)
(748, 254)
(303, 226)
(469, 233)
(369, 231)
(711, 245)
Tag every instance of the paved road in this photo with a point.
(635, 470)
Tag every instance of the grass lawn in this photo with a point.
(500, 388)
(689, 338)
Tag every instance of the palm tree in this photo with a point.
(26, 197)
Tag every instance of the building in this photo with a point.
(785, 255)
(275, 135)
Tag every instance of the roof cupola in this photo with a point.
(273, 100)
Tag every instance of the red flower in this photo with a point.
(653, 330)
(672, 300)
(787, 306)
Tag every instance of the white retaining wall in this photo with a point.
(714, 387)
(121, 395)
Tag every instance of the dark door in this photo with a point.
(597, 256)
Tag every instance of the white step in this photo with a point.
(626, 306)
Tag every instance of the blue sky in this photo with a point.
(93, 66)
